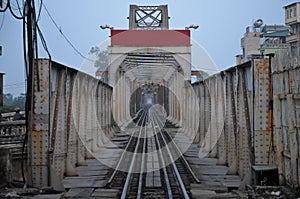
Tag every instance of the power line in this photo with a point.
(40, 10)
(2, 21)
(44, 44)
(20, 83)
(14, 87)
(14, 7)
(9, 6)
(19, 7)
(15, 84)
(64, 36)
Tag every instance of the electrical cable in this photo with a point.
(19, 7)
(6, 7)
(44, 44)
(40, 10)
(25, 5)
(34, 23)
(2, 21)
(13, 6)
(12, 12)
(16, 84)
(64, 36)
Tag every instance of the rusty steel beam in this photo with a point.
(64, 109)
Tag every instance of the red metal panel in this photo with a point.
(150, 37)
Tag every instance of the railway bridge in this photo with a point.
(150, 133)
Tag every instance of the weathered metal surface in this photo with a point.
(248, 116)
(243, 128)
(230, 125)
(240, 99)
(263, 107)
(38, 149)
(65, 122)
(148, 17)
(286, 90)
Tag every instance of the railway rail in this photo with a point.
(148, 167)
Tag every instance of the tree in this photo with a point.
(101, 62)
(102, 58)
(10, 102)
(20, 101)
(8, 99)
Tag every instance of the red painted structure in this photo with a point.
(150, 38)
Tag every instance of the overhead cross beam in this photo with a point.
(137, 59)
(148, 17)
(154, 66)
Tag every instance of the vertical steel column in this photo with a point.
(278, 138)
(221, 145)
(231, 125)
(71, 128)
(213, 124)
(104, 114)
(81, 117)
(38, 143)
(170, 93)
(202, 111)
(244, 129)
(293, 139)
(262, 112)
(59, 129)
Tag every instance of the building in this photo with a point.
(292, 20)
(259, 41)
(273, 38)
(250, 45)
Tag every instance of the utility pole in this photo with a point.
(30, 77)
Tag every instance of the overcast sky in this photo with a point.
(222, 24)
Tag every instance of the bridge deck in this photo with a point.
(92, 178)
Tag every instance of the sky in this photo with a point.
(222, 24)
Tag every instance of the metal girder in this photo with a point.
(148, 17)
(286, 91)
(154, 66)
(61, 114)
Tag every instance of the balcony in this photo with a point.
(275, 46)
(291, 20)
(12, 132)
(293, 38)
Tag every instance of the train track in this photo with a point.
(149, 167)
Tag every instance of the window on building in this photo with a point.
(298, 28)
(294, 29)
